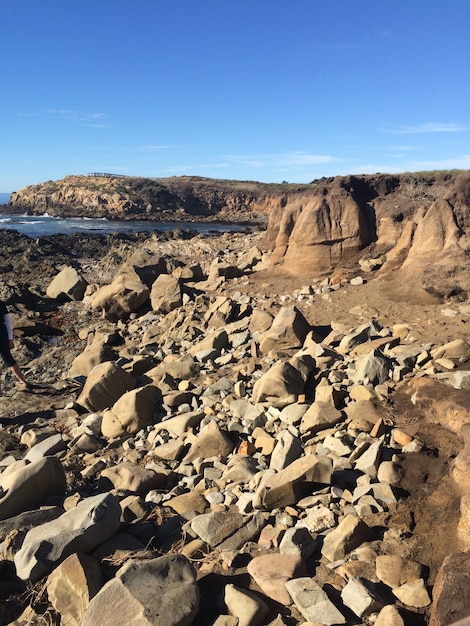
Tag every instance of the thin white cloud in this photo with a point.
(457, 163)
(93, 119)
(429, 127)
(155, 148)
(285, 160)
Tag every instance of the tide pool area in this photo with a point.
(45, 225)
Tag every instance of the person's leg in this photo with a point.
(18, 373)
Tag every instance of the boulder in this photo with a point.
(67, 285)
(272, 571)
(350, 533)
(81, 529)
(94, 354)
(30, 485)
(120, 298)
(165, 294)
(313, 602)
(150, 592)
(128, 476)
(104, 385)
(451, 600)
(304, 475)
(287, 331)
(144, 265)
(134, 410)
(211, 441)
(72, 585)
(284, 382)
(213, 528)
(249, 609)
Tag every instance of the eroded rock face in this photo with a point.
(423, 229)
(317, 231)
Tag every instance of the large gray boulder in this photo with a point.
(150, 592)
(83, 528)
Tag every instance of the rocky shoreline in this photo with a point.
(207, 441)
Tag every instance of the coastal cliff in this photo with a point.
(418, 223)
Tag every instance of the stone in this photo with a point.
(94, 354)
(120, 298)
(47, 447)
(128, 476)
(149, 592)
(319, 416)
(288, 448)
(463, 528)
(131, 412)
(72, 585)
(451, 600)
(288, 330)
(251, 528)
(225, 620)
(188, 504)
(179, 425)
(104, 385)
(272, 571)
(389, 615)
(81, 529)
(372, 369)
(245, 605)
(318, 519)
(354, 338)
(185, 367)
(165, 294)
(413, 593)
(145, 265)
(215, 341)
(360, 393)
(369, 461)
(350, 533)
(389, 472)
(452, 350)
(260, 321)
(67, 285)
(284, 382)
(30, 485)
(313, 602)
(298, 541)
(362, 597)
(29, 519)
(213, 528)
(292, 413)
(288, 486)
(211, 441)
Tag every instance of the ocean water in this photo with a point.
(44, 225)
(4, 198)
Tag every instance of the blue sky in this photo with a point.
(267, 90)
